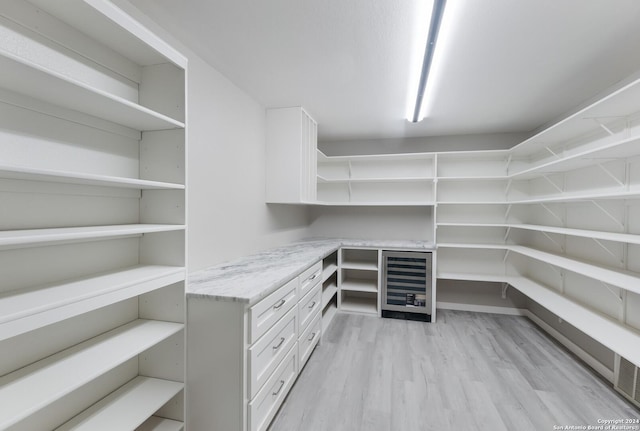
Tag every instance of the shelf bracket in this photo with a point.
(611, 175)
(603, 127)
(505, 286)
(608, 214)
(508, 189)
(608, 250)
(509, 162)
(617, 293)
(550, 211)
(508, 212)
(560, 272)
(553, 153)
(550, 238)
(506, 255)
(555, 186)
(506, 235)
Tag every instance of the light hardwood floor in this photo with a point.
(468, 371)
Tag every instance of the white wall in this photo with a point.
(499, 141)
(414, 223)
(227, 214)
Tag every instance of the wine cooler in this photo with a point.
(406, 285)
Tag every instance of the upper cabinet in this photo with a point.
(291, 156)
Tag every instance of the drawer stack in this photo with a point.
(247, 357)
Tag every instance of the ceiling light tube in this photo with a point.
(434, 27)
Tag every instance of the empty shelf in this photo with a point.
(72, 177)
(18, 238)
(328, 293)
(359, 305)
(359, 285)
(27, 309)
(35, 386)
(155, 423)
(33, 80)
(126, 408)
(328, 271)
(327, 316)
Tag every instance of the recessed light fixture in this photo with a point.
(415, 113)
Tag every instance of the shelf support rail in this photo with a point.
(550, 211)
(608, 214)
(608, 250)
(508, 189)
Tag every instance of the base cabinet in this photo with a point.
(243, 359)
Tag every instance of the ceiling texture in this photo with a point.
(507, 66)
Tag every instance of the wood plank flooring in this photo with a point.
(468, 371)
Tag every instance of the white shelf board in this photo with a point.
(28, 309)
(29, 389)
(155, 423)
(360, 265)
(610, 193)
(494, 278)
(474, 178)
(610, 147)
(359, 285)
(610, 333)
(585, 233)
(71, 177)
(375, 204)
(474, 202)
(475, 246)
(617, 337)
(471, 224)
(127, 408)
(359, 305)
(17, 238)
(376, 180)
(328, 271)
(328, 293)
(327, 316)
(617, 277)
(376, 157)
(105, 22)
(621, 103)
(22, 76)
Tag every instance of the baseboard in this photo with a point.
(574, 348)
(481, 308)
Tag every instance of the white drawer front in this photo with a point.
(267, 353)
(309, 339)
(309, 278)
(308, 307)
(265, 405)
(268, 311)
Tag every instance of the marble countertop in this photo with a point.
(251, 278)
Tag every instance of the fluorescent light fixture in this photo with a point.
(415, 114)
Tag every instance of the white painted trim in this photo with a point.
(574, 348)
(481, 308)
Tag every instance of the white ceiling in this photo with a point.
(510, 65)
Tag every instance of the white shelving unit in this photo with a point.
(358, 280)
(329, 289)
(567, 238)
(406, 179)
(93, 233)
